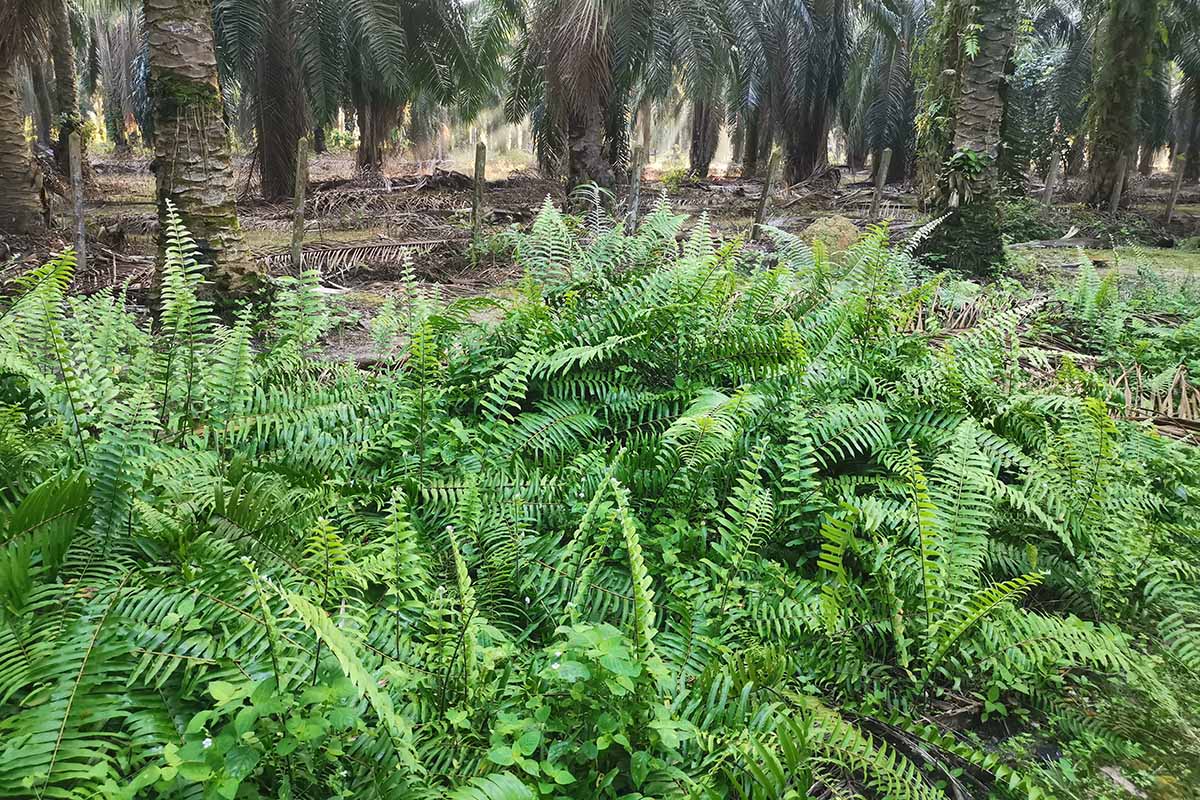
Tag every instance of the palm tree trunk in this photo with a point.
(647, 117)
(1146, 162)
(1191, 151)
(706, 129)
(318, 136)
(20, 209)
(192, 163)
(1128, 36)
(41, 94)
(970, 238)
(1078, 156)
(753, 119)
(66, 91)
(114, 120)
(376, 119)
(805, 144)
(587, 160)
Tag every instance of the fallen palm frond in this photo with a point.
(343, 255)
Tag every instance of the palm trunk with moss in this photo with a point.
(20, 208)
(959, 175)
(191, 144)
(1124, 49)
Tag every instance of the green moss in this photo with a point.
(969, 239)
(172, 94)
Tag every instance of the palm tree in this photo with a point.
(191, 145)
(1051, 83)
(564, 79)
(578, 70)
(22, 25)
(693, 50)
(964, 94)
(793, 54)
(41, 97)
(1182, 20)
(1125, 48)
(66, 89)
(878, 105)
(256, 40)
(118, 47)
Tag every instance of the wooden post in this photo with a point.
(75, 157)
(1114, 201)
(1051, 179)
(298, 202)
(761, 213)
(881, 171)
(477, 195)
(1180, 166)
(635, 189)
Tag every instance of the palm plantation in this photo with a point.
(565, 399)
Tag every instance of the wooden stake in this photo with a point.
(885, 160)
(75, 157)
(1114, 202)
(761, 213)
(298, 203)
(1051, 179)
(477, 195)
(635, 189)
(1180, 165)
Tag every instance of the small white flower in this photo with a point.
(527, 600)
(207, 743)
(558, 653)
(449, 529)
(555, 665)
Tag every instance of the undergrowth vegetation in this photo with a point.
(687, 521)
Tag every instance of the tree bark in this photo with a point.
(20, 209)
(1146, 161)
(41, 94)
(587, 159)
(318, 138)
(647, 119)
(750, 145)
(279, 121)
(191, 145)
(980, 105)
(1191, 149)
(1078, 158)
(66, 91)
(376, 120)
(1125, 42)
(805, 144)
(967, 184)
(706, 130)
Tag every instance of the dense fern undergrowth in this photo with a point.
(686, 521)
